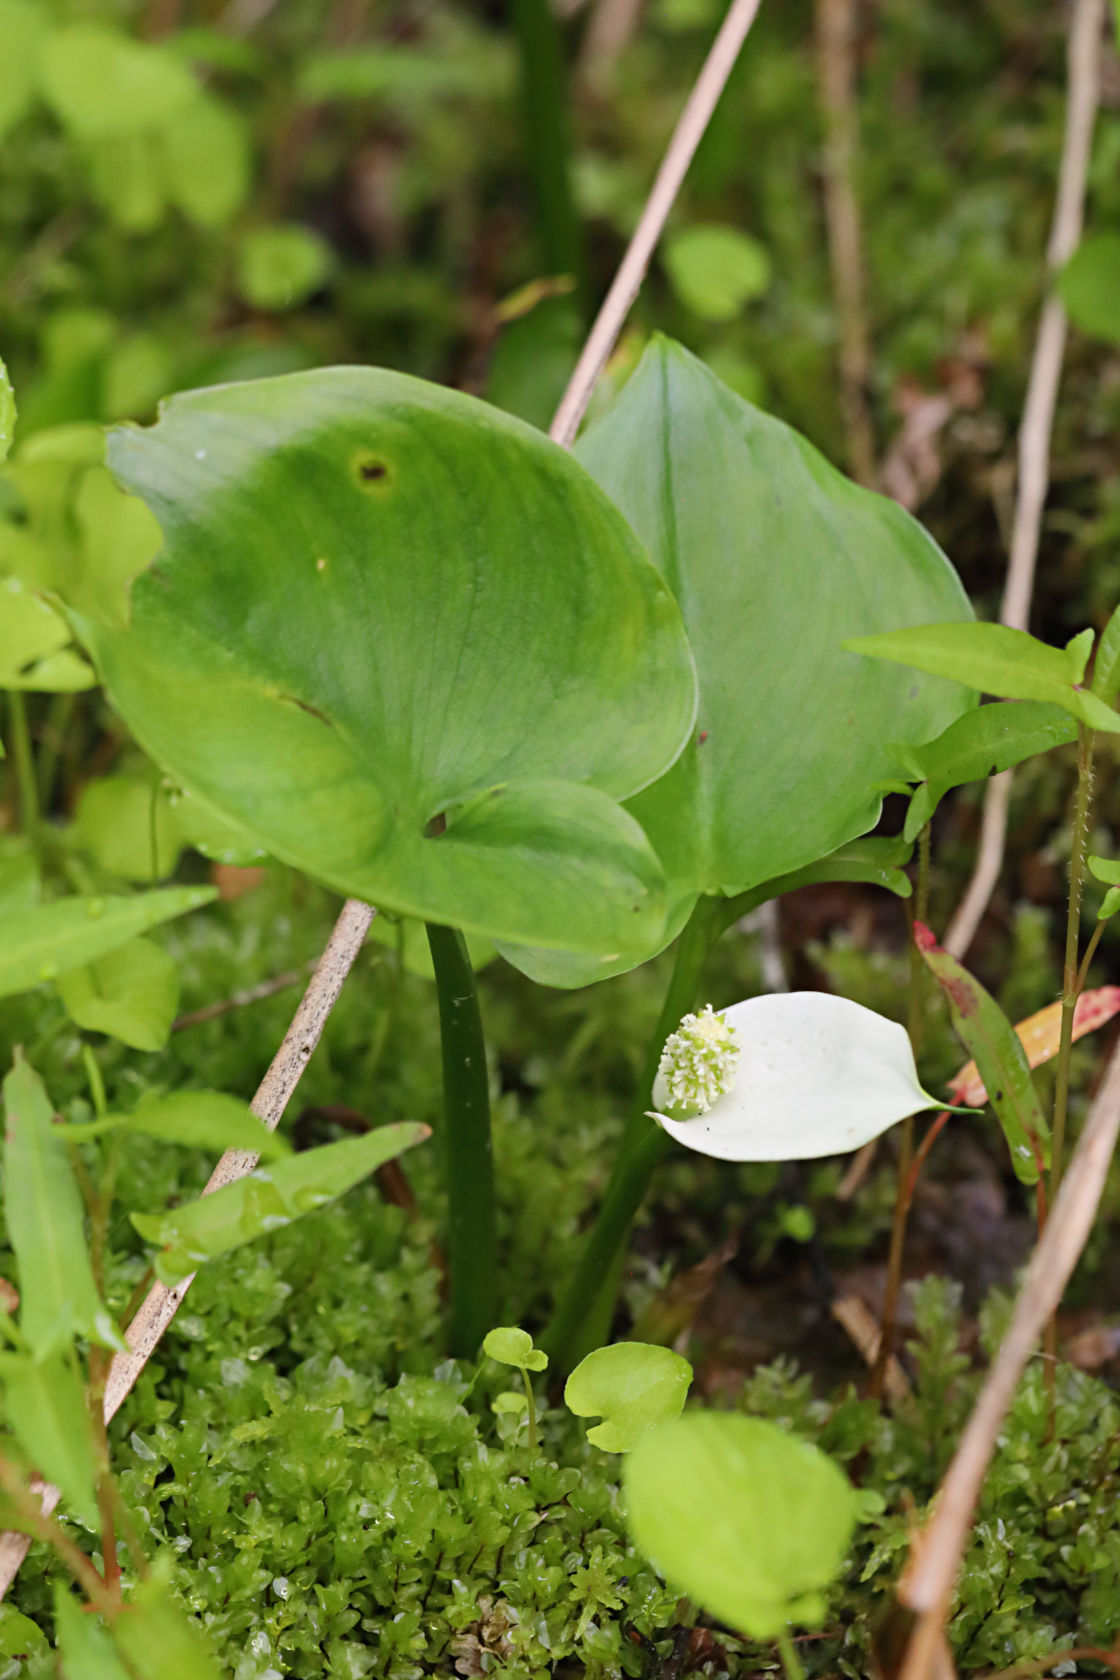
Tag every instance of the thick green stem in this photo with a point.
(467, 1149)
(23, 762)
(548, 140)
(1071, 972)
(582, 1319)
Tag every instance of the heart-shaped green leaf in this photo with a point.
(131, 994)
(750, 1522)
(631, 1386)
(774, 558)
(410, 646)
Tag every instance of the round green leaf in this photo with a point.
(101, 84)
(750, 1522)
(207, 162)
(280, 267)
(131, 994)
(716, 270)
(509, 1402)
(511, 1346)
(631, 1386)
(774, 557)
(406, 644)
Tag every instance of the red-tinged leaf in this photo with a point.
(1039, 1035)
(1000, 1057)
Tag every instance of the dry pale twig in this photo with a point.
(627, 282)
(928, 1583)
(240, 1000)
(836, 78)
(161, 1304)
(1086, 32)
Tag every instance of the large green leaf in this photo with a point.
(774, 558)
(47, 940)
(405, 642)
(46, 1226)
(46, 1409)
(268, 1198)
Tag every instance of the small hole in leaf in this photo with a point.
(437, 826)
(370, 471)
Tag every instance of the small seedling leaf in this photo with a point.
(512, 1346)
(996, 660)
(631, 1386)
(267, 1199)
(752, 1523)
(509, 1401)
(999, 1056)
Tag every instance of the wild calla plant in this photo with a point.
(408, 646)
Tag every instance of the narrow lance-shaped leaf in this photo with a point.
(999, 1056)
(198, 1119)
(1040, 1036)
(47, 940)
(46, 1225)
(46, 1411)
(158, 1640)
(977, 745)
(83, 1644)
(997, 660)
(632, 1386)
(268, 1198)
(750, 1522)
(1106, 665)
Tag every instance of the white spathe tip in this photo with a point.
(816, 1075)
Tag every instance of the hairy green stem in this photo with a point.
(23, 762)
(467, 1149)
(582, 1319)
(1071, 972)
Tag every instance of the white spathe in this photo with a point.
(817, 1075)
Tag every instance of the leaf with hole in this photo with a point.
(997, 660)
(774, 558)
(752, 1523)
(409, 646)
(268, 1198)
(999, 1056)
(631, 1386)
(46, 1225)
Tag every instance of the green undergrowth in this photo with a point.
(342, 1501)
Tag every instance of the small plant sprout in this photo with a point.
(508, 1345)
(785, 1077)
(631, 1386)
(748, 1520)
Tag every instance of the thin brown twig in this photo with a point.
(687, 135)
(1086, 33)
(927, 1586)
(161, 1304)
(239, 1000)
(836, 81)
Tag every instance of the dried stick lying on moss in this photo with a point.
(927, 1585)
(161, 1304)
(1086, 35)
